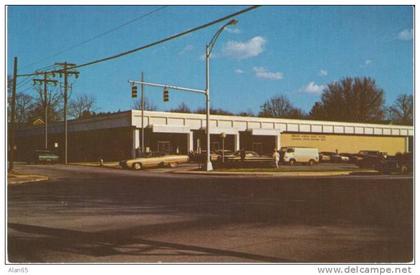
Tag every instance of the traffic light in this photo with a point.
(133, 91)
(165, 95)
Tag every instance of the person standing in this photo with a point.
(243, 155)
(276, 158)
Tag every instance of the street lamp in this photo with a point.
(209, 48)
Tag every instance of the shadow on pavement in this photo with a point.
(107, 243)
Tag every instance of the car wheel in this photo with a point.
(311, 162)
(292, 162)
(137, 166)
(173, 164)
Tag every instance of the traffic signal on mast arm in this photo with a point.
(165, 94)
(134, 91)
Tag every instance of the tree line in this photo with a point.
(349, 100)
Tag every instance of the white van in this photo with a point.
(301, 154)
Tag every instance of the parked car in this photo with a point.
(249, 155)
(400, 163)
(333, 157)
(324, 156)
(223, 153)
(344, 158)
(202, 157)
(154, 160)
(350, 157)
(293, 155)
(43, 156)
(370, 159)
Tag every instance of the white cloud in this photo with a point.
(323, 72)
(263, 73)
(239, 71)
(233, 30)
(313, 88)
(405, 35)
(186, 49)
(247, 49)
(367, 62)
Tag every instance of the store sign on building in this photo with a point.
(303, 137)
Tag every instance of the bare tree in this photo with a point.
(248, 112)
(401, 111)
(54, 101)
(182, 108)
(24, 106)
(82, 106)
(350, 99)
(214, 111)
(280, 106)
(148, 105)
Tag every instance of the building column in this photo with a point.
(190, 142)
(237, 144)
(136, 142)
(277, 141)
(407, 144)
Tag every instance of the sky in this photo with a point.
(273, 50)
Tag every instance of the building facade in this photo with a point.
(118, 136)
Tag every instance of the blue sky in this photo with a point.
(273, 50)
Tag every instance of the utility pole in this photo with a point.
(66, 71)
(206, 91)
(142, 114)
(45, 81)
(12, 119)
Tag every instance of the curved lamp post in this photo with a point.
(209, 48)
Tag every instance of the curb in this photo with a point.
(26, 179)
(267, 174)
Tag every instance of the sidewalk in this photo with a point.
(16, 178)
(267, 174)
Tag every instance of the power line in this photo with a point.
(28, 79)
(24, 82)
(154, 43)
(98, 36)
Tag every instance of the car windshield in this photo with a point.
(290, 150)
(42, 152)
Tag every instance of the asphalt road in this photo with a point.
(99, 215)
